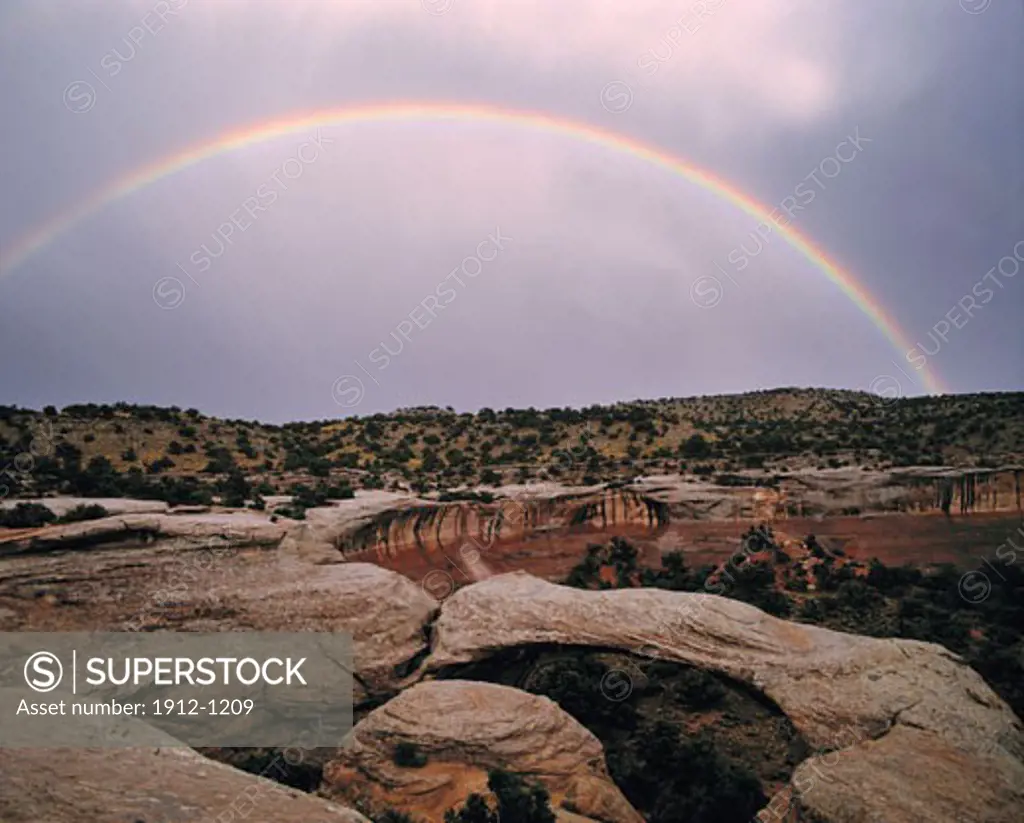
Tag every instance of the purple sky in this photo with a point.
(595, 292)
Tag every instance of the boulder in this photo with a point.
(906, 776)
(387, 615)
(463, 729)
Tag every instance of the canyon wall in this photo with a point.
(427, 526)
(982, 490)
(845, 492)
(411, 524)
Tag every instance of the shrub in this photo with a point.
(291, 512)
(671, 779)
(578, 685)
(340, 491)
(393, 816)
(160, 464)
(26, 516)
(406, 754)
(517, 802)
(234, 490)
(84, 511)
(696, 446)
(698, 689)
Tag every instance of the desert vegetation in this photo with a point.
(681, 743)
(182, 455)
(813, 584)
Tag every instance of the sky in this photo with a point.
(355, 266)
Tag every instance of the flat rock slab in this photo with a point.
(147, 786)
(189, 585)
(115, 505)
(239, 528)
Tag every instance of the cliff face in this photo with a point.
(439, 526)
(758, 497)
(981, 490)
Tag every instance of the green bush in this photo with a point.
(406, 754)
(670, 779)
(84, 511)
(234, 490)
(578, 686)
(517, 802)
(291, 512)
(698, 689)
(26, 516)
(393, 816)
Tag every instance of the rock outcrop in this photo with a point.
(907, 776)
(114, 505)
(904, 730)
(147, 786)
(386, 614)
(463, 729)
(237, 528)
(388, 527)
(756, 495)
(212, 584)
(839, 690)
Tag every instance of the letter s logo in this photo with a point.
(43, 672)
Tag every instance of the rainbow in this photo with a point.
(46, 233)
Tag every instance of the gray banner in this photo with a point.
(98, 689)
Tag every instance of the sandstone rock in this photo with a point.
(907, 776)
(115, 505)
(209, 585)
(235, 527)
(306, 544)
(147, 786)
(464, 729)
(386, 614)
(825, 681)
(839, 690)
(387, 523)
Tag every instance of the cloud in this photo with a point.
(594, 297)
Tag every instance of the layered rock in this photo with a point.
(904, 777)
(383, 524)
(757, 495)
(463, 729)
(837, 689)
(237, 528)
(114, 505)
(387, 615)
(213, 584)
(146, 785)
(907, 731)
